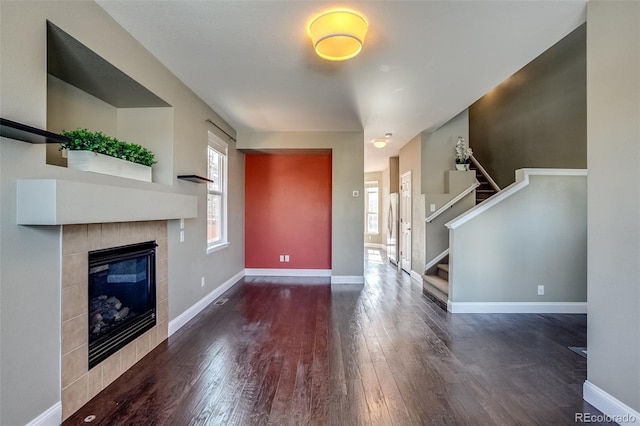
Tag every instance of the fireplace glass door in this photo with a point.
(122, 297)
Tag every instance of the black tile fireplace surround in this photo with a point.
(122, 297)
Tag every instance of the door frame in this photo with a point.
(405, 222)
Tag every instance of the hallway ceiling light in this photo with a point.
(380, 143)
(337, 34)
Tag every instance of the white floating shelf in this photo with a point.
(63, 202)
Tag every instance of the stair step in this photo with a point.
(437, 282)
(443, 271)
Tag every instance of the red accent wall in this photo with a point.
(288, 210)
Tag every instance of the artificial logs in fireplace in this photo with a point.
(122, 297)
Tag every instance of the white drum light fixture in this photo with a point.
(380, 143)
(338, 34)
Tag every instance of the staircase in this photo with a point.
(436, 287)
(485, 190)
(435, 280)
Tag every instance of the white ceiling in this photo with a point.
(423, 61)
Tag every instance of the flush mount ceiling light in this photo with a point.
(380, 143)
(337, 34)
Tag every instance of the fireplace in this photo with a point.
(122, 297)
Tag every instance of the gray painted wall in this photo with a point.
(440, 184)
(30, 374)
(410, 160)
(613, 86)
(436, 233)
(69, 108)
(537, 117)
(347, 168)
(438, 152)
(538, 236)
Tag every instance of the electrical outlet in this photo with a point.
(282, 258)
(432, 207)
(286, 257)
(202, 282)
(540, 290)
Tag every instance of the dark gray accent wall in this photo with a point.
(537, 117)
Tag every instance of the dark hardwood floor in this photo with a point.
(283, 353)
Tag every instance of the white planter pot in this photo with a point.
(100, 163)
(462, 166)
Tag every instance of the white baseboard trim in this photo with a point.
(179, 321)
(271, 272)
(376, 245)
(347, 279)
(614, 409)
(517, 307)
(417, 277)
(51, 417)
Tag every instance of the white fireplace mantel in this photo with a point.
(64, 202)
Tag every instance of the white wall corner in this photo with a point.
(347, 279)
(416, 276)
(614, 409)
(179, 321)
(51, 417)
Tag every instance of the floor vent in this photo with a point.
(220, 301)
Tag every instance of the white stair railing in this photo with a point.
(482, 170)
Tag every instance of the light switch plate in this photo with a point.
(356, 194)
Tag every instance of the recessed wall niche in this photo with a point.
(84, 90)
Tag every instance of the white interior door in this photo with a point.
(405, 221)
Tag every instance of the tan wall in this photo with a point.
(394, 174)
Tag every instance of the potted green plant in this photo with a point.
(100, 153)
(463, 154)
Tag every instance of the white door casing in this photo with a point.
(405, 221)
